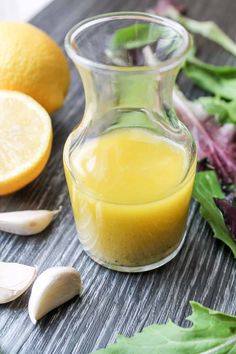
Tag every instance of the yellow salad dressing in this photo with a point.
(131, 196)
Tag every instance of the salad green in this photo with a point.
(211, 332)
(206, 188)
(219, 80)
(135, 36)
(223, 111)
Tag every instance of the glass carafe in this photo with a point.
(130, 163)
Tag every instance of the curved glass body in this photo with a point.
(130, 164)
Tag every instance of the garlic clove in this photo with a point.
(6, 295)
(52, 288)
(15, 279)
(27, 222)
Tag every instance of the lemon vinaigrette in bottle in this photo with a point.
(130, 164)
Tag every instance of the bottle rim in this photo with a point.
(163, 66)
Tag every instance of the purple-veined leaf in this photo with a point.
(216, 142)
(228, 209)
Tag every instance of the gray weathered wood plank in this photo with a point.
(112, 302)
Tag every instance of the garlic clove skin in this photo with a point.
(52, 288)
(7, 295)
(15, 279)
(27, 222)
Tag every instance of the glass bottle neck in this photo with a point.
(106, 91)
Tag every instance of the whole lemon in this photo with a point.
(31, 62)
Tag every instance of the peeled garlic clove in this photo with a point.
(15, 279)
(52, 288)
(27, 222)
(6, 295)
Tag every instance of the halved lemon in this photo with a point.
(25, 140)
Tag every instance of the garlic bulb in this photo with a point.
(15, 279)
(27, 222)
(52, 288)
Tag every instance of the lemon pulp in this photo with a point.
(25, 140)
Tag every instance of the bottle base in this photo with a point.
(142, 268)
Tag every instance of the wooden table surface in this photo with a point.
(112, 302)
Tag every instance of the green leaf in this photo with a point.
(140, 35)
(212, 332)
(136, 36)
(206, 188)
(219, 80)
(209, 30)
(223, 111)
(225, 70)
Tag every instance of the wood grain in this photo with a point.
(112, 302)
